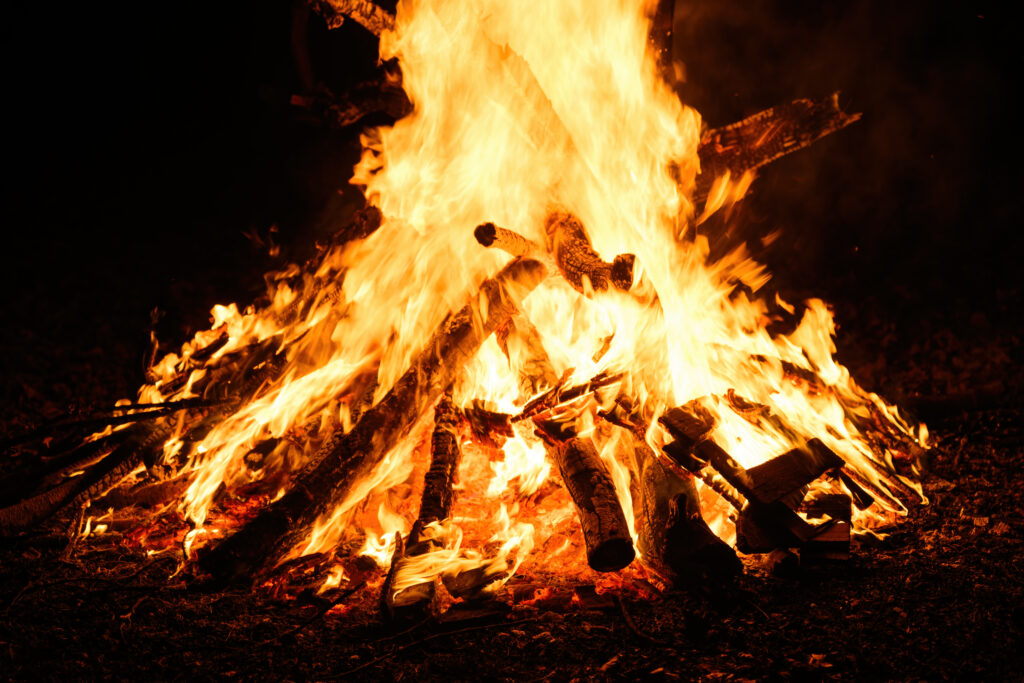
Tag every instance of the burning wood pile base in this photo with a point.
(261, 449)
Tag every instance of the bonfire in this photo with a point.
(519, 363)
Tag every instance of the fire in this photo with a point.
(519, 116)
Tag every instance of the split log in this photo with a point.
(344, 459)
(764, 524)
(605, 530)
(414, 601)
(764, 137)
(567, 241)
(673, 533)
(784, 474)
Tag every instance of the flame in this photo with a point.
(517, 114)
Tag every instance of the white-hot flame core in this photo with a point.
(520, 110)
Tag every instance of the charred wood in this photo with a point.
(794, 469)
(92, 482)
(346, 458)
(373, 18)
(581, 266)
(764, 137)
(674, 534)
(415, 600)
(605, 530)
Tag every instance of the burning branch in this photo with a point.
(346, 458)
(758, 140)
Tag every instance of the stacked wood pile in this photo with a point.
(66, 472)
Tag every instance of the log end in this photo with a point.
(486, 234)
(622, 271)
(611, 555)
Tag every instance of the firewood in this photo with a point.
(673, 534)
(796, 468)
(831, 543)
(561, 394)
(509, 241)
(764, 137)
(94, 481)
(567, 241)
(373, 18)
(435, 505)
(346, 458)
(609, 544)
(765, 523)
(761, 528)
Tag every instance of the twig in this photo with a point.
(320, 613)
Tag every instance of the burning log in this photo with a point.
(764, 137)
(766, 522)
(94, 481)
(605, 530)
(673, 533)
(413, 601)
(509, 241)
(346, 458)
(577, 260)
(370, 16)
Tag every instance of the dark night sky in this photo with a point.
(164, 127)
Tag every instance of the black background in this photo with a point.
(143, 140)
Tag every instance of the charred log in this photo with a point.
(373, 18)
(93, 482)
(764, 137)
(673, 533)
(577, 260)
(415, 600)
(346, 458)
(609, 544)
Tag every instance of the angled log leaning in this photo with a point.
(345, 458)
(605, 530)
(410, 603)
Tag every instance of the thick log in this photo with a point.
(673, 534)
(605, 530)
(764, 137)
(568, 243)
(346, 458)
(414, 601)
